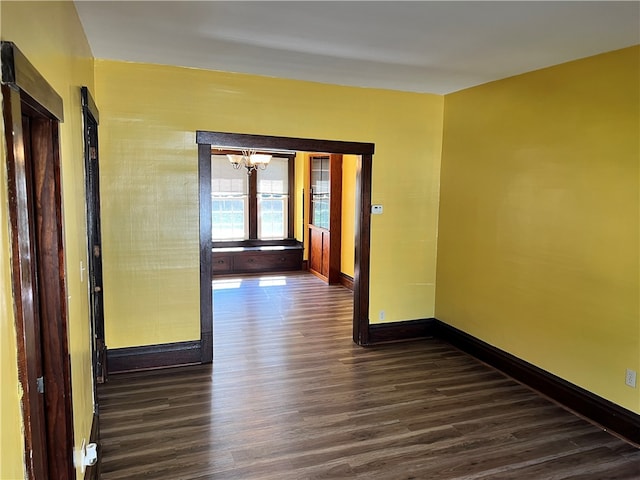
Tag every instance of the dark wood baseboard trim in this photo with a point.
(608, 415)
(346, 281)
(93, 471)
(121, 360)
(401, 331)
(597, 409)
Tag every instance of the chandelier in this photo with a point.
(249, 159)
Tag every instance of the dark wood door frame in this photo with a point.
(91, 118)
(32, 111)
(206, 140)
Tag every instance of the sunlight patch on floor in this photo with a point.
(272, 281)
(226, 284)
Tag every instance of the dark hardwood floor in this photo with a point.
(289, 396)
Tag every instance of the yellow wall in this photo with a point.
(347, 250)
(304, 186)
(51, 37)
(301, 169)
(538, 242)
(539, 219)
(149, 116)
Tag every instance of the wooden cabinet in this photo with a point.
(221, 263)
(267, 261)
(320, 251)
(256, 259)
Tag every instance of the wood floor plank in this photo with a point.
(289, 396)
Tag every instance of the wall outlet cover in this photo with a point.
(630, 378)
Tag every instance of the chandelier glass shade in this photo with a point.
(250, 160)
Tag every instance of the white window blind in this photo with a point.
(275, 179)
(229, 200)
(273, 199)
(226, 180)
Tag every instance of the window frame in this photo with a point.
(271, 199)
(320, 217)
(222, 198)
(253, 239)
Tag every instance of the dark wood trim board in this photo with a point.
(291, 144)
(595, 408)
(206, 243)
(402, 331)
(608, 415)
(18, 71)
(120, 360)
(362, 267)
(346, 280)
(92, 472)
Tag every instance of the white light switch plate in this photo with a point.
(376, 209)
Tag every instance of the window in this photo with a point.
(320, 192)
(251, 207)
(273, 200)
(229, 201)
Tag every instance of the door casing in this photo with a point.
(90, 116)
(32, 111)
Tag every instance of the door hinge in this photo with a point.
(40, 384)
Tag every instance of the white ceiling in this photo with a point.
(436, 47)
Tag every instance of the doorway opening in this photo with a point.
(207, 140)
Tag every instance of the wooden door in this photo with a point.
(39, 292)
(92, 179)
(325, 216)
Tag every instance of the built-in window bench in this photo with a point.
(256, 258)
